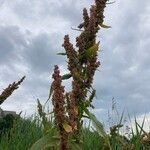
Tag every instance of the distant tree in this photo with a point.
(6, 123)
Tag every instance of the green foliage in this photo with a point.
(6, 123)
(99, 128)
(75, 146)
(22, 135)
(45, 142)
(91, 139)
(25, 132)
(66, 76)
(63, 54)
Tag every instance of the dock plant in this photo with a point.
(71, 107)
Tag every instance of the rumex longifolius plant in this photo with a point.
(70, 107)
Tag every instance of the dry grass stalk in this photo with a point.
(59, 109)
(10, 89)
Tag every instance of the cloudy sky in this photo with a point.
(32, 31)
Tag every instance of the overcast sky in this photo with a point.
(32, 31)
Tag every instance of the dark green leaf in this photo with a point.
(63, 54)
(98, 125)
(92, 95)
(50, 93)
(66, 76)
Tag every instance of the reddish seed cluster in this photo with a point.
(87, 37)
(92, 66)
(64, 140)
(9, 90)
(71, 54)
(72, 110)
(73, 65)
(58, 97)
(85, 18)
(84, 41)
(59, 109)
(100, 5)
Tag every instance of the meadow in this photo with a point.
(27, 134)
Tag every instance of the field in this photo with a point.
(25, 132)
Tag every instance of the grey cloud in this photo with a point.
(125, 72)
(69, 11)
(11, 42)
(37, 54)
(41, 52)
(125, 60)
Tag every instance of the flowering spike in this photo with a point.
(10, 89)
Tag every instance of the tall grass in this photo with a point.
(22, 135)
(25, 132)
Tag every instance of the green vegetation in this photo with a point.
(22, 135)
(25, 132)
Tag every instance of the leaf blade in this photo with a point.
(67, 127)
(66, 76)
(63, 54)
(105, 26)
(92, 50)
(45, 142)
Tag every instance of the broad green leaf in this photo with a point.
(105, 26)
(66, 76)
(75, 146)
(99, 127)
(97, 124)
(92, 50)
(63, 54)
(45, 142)
(67, 127)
